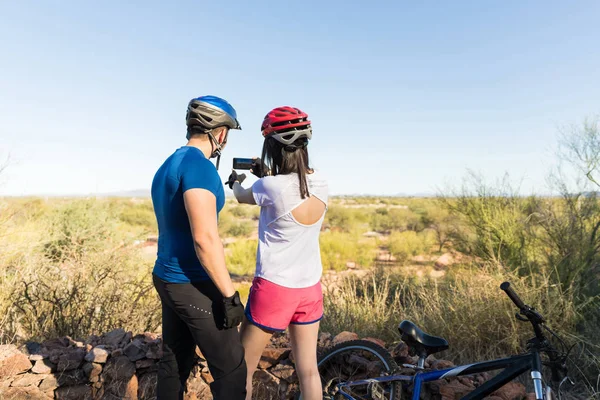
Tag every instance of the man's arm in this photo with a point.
(201, 207)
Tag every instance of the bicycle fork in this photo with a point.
(536, 377)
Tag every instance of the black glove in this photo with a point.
(235, 177)
(233, 311)
(258, 168)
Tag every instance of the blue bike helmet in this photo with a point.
(211, 112)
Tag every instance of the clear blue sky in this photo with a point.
(404, 96)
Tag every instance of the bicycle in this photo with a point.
(361, 369)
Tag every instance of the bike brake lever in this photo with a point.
(521, 318)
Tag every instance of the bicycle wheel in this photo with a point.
(357, 360)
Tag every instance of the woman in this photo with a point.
(286, 290)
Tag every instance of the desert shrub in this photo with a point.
(69, 273)
(407, 244)
(244, 211)
(436, 217)
(241, 257)
(395, 219)
(466, 307)
(78, 227)
(338, 249)
(240, 229)
(92, 294)
(138, 214)
(226, 220)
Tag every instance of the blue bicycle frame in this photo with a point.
(513, 367)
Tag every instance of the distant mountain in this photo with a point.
(127, 193)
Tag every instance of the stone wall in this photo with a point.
(118, 365)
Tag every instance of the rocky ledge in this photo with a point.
(119, 365)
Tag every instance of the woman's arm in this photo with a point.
(243, 195)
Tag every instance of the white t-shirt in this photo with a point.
(288, 252)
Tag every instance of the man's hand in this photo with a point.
(233, 311)
(235, 177)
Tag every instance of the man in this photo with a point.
(199, 304)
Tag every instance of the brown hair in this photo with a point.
(287, 159)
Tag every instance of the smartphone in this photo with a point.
(242, 163)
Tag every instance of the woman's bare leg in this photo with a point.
(254, 340)
(304, 345)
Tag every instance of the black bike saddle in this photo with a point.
(413, 336)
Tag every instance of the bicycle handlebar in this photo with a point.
(513, 296)
(536, 319)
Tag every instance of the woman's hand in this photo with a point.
(235, 177)
(258, 168)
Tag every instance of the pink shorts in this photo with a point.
(274, 307)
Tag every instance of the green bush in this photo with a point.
(466, 307)
(241, 257)
(240, 229)
(407, 244)
(141, 215)
(79, 227)
(386, 220)
(337, 249)
(68, 273)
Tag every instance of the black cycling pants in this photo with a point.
(192, 315)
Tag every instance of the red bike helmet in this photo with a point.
(286, 125)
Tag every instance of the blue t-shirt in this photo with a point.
(185, 169)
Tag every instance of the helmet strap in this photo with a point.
(216, 148)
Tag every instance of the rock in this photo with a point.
(12, 362)
(126, 340)
(80, 392)
(116, 353)
(26, 380)
(136, 350)
(197, 388)
(54, 344)
(150, 337)
(265, 385)
(401, 350)
(31, 349)
(92, 371)
(70, 378)
(122, 389)
(36, 357)
(98, 355)
(376, 341)
(206, 375)
(50, 382)
(145, 363)
(75, 343)
(511, 391)
(442, 364)
(19, 393)
(114, 337)
(118, 369)
(271, 356)
(324, 339)
(454, 390)
(444, 261)
(70, 360)
(92, 340)
(344, 337)
(147, 386)
(154, 351)
(5, 384)
(285, 371)
(351, 265)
